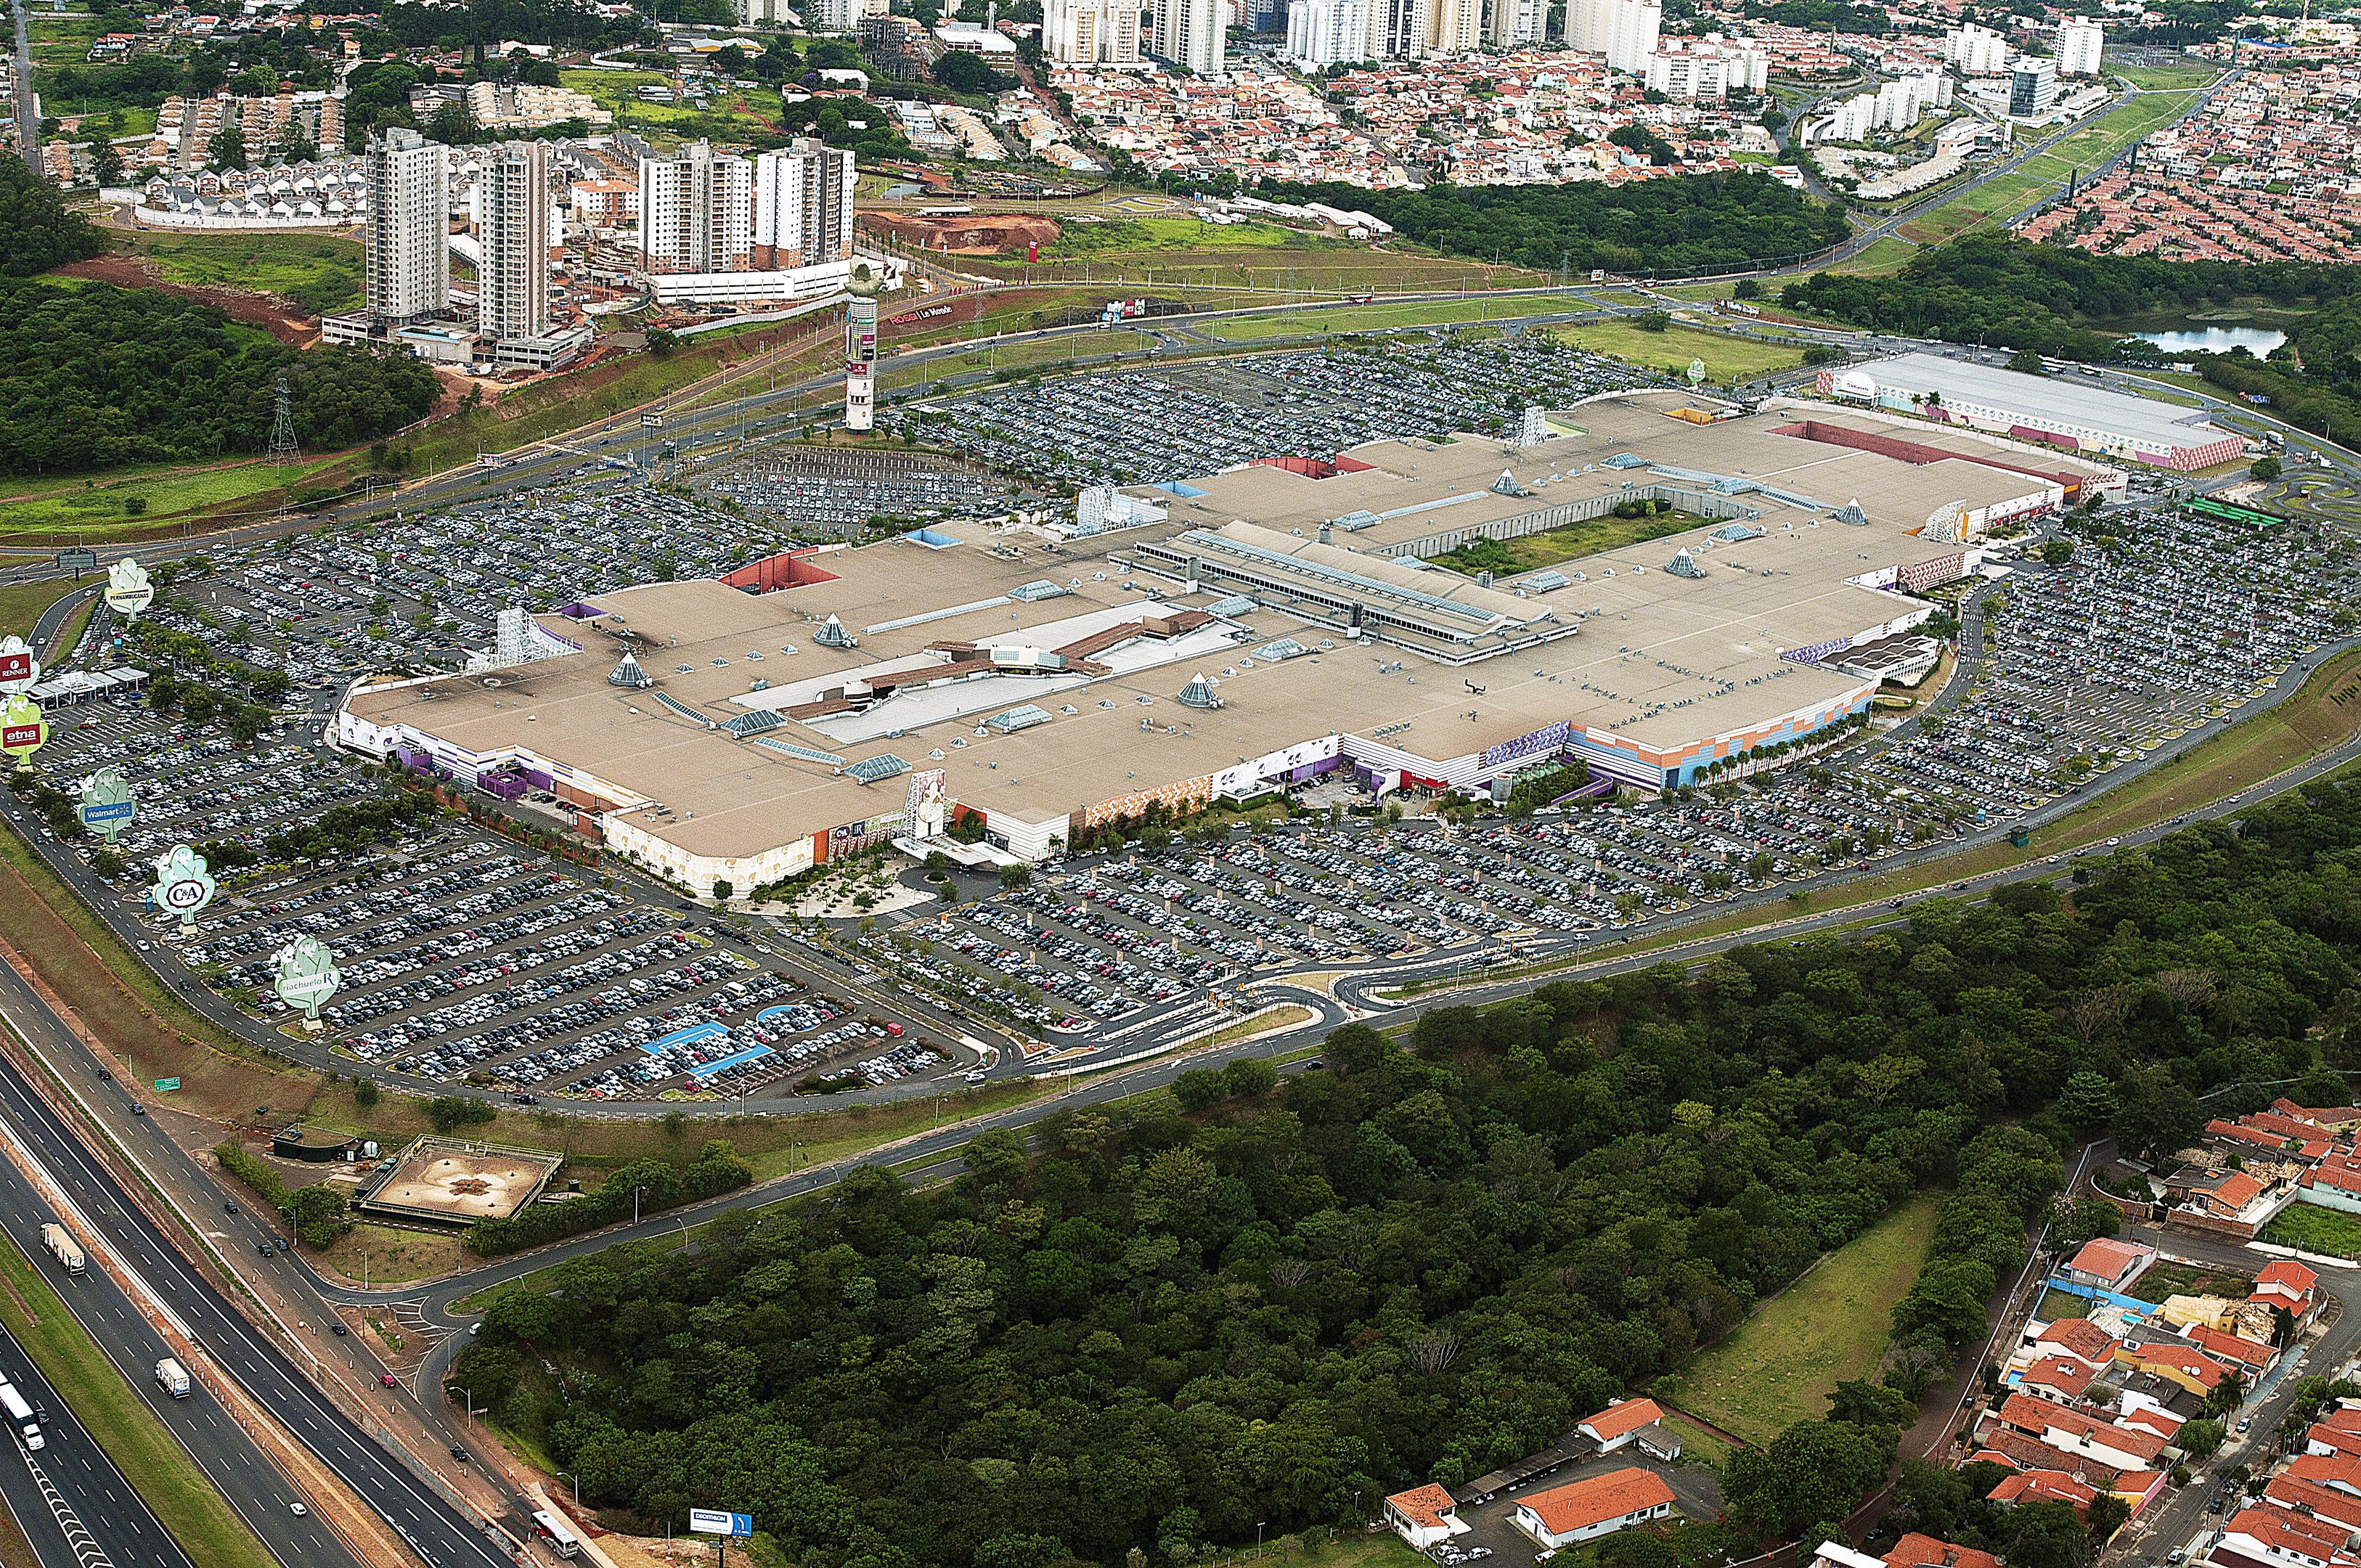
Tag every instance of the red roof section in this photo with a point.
(1619, 1493)
(2082, 1337)
(2039, 1417)
(1916, 1550)
(1428, 1505)
(2244, 1351)
(2109, 1260)
(1629, 1415)
(2046, 1486)
(2327, 1470)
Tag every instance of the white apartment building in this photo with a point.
(513, 231)
(1091, 32)
(406, 252)
(697, 210)
(1709, 69)
(834, 16)
(1625, 32)
(756, 12)
(1321, 33)
(1975, 51)
(803, 206)
(2081, 41)
(1192, 34)
(1397, 30)
(2032, 88)
(1516, 23)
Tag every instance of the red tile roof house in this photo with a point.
(1589, 1509)
(2079, 1338)
(1916, 1550)
(1630, 1420)
(2072, 1432)
(2047, 1486)
(2340, 1434)
(2263, 1536)
(2248, 1357)
(2062, 1378)
(1424, 1515)
(2109, 1265)
(2332, 1185)
(2340, 1508)
(2333, 1469)
(2286, 1284)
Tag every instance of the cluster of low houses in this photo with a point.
(2244, 1172)
(330, 191)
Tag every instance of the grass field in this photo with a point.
(1306, 266)
(381, 1255)
(1588, 537)
(2166, 78)
(1783, 1362)
(1130, 237)
(74, 508)
(307, 267)
(1888, 253)
(1727, 357)
(2315, 1229)
(21, 604)
(150, 1458)
(1997, 200)
(2057, 1304)
(1378, 317)
(1013, 357)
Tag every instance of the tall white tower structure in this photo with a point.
(513, 227)
(2081, 41)
(861, 352)
(697, 210)
(1192, 33)
(1516, 23)
(406, 253)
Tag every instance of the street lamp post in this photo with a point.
(635, 1203)
(578, 1488)
(470, 1393)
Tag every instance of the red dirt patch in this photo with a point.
(283, 320)
(986, 235)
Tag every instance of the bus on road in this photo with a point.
(556, 1532)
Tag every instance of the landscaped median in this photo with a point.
(150, 1458)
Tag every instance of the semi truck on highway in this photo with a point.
(20, 1416)
(173, 1378)
(64, 1248)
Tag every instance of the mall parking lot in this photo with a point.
(1170, 425)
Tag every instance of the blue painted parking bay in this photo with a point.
(688, 1036)
(738, 1058)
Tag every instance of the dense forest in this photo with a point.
(1679, 225)
(101, 375)
(1270, 1303)
(2013, 293)
(37, 230)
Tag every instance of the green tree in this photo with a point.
(227, 148)
(1812, 1472)
(36, 229)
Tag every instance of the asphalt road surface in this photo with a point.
(439, 1532)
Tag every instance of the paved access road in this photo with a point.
(220, 1447)
(440, 1535)
(2182, 1513)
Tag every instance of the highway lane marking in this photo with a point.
(234, 1328)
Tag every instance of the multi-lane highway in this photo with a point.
(255, 1486)
(441, 1535)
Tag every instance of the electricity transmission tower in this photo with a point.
(284, 449)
